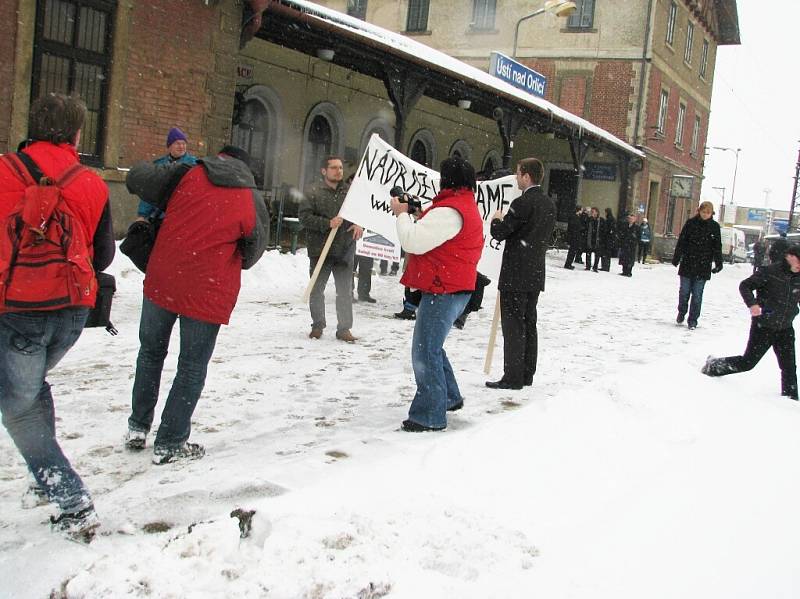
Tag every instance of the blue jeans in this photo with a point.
(31, 344)
(691, 286)
(436, 384)
(198, 339)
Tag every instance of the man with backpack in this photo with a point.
(56, 234)
(215, 225)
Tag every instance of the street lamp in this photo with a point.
(735, 168)
(560, 8)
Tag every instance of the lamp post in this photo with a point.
(560, 8)
(735, 168)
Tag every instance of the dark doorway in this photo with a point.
(563, 188)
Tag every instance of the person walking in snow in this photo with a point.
(34, 338)
(444, 244)
(699, 245)
(214, 227)
(771, 294)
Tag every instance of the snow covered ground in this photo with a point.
(622, 473)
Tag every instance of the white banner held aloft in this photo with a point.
(383, 168)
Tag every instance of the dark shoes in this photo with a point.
(692, 326)
(457, 406)
(569, 267)
(501, 384)
(367, 298)
(459, 323)
(346, 335)
(135, 440)
(315, 334)
(680, 318)
(412, 427)
(187, 451)
(405, 314)
(77, 526)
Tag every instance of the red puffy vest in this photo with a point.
(453, 265)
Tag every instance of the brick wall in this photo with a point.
(170, 74)
(8, 31)
(572, 96)
(612, 92)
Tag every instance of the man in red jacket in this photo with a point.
(215, 226)
(33, 342)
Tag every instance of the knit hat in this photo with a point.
(174, 135)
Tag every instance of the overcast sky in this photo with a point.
(754, 107)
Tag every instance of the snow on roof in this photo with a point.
(400, 44)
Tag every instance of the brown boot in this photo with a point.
(346, 335)
(315, 333)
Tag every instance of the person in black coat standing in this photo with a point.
(526, 230)
(772, 308)
(608, 240)
(592, 237)
(573, 237)
(699, 245)
(628, 242)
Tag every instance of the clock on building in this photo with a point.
(681, 186)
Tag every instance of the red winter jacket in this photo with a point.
(452, 266)
(196, 264)
(86, 195)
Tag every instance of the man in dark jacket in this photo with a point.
(526, 229)
(628, 241)
(319, 213)
(215, 226)
(573, 237)
(33, 341)
(608, 240)
(772, 308)
(592, 238)
(699, 245)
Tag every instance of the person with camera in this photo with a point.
(526, 229)
(319, 213)
(214, 227)
(699, 244)
(443, 244)
(38, 334)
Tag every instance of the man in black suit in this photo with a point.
(526, 229)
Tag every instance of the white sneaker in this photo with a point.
(135, 440)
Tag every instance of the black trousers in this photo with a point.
(760, 340)
(520, 341)
(589, 259)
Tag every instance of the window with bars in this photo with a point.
(671, 18)
(357, 9)
(696, 135)
(661, 125)
(704, 59)
(483, 13)
(680, 123)
(687, 52)
(72, 55)
(417, 15)
(583, 17)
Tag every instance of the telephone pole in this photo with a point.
(794, 193)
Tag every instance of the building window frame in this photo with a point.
(681, 121)
(309, 163)
(357, 9)
(663, 107)
(704, 59)
(428, 141)
(698, 123)
(672, 17)
(484, 13)
(76, 37)
(462, 149)
(687, 51)
(583, 17)
(417, 17)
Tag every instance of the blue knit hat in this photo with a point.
(174, 135)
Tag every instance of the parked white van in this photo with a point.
(734, 248)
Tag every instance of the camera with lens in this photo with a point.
(414, 203)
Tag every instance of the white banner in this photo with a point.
(382, 167)
(374, 245)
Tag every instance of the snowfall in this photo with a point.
(623, 472)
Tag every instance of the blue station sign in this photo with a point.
(518, 75)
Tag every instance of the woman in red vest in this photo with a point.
(443, 244)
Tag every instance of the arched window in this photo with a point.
(322, 137)
(491, 162)
(462, 150)
(422, 148)
(251, 134)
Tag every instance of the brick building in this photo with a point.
(641, 69)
